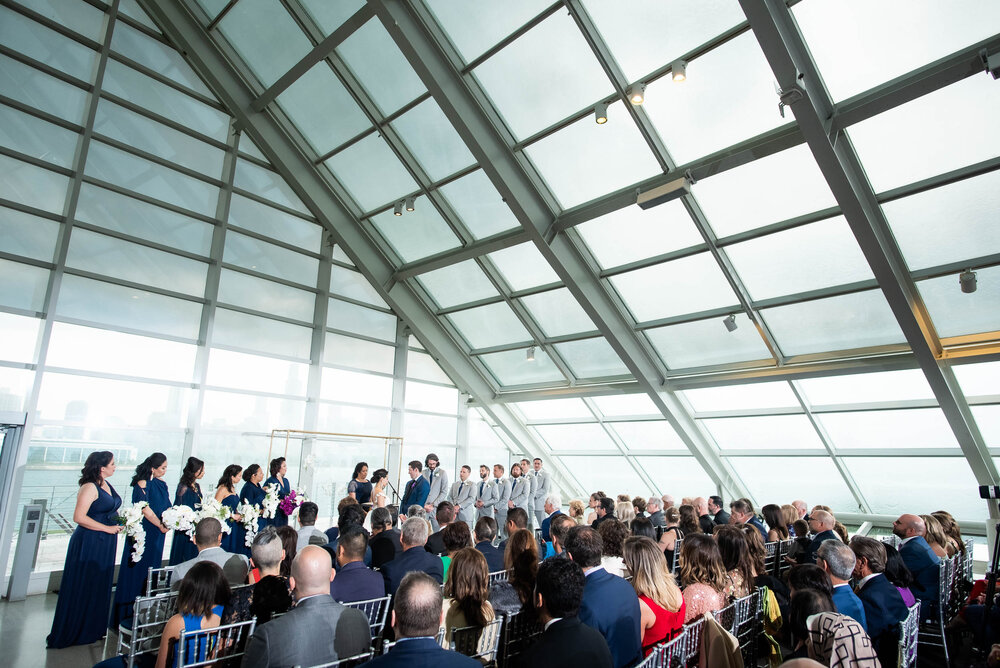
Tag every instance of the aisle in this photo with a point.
(23, 627)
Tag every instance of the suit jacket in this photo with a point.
(611, 606)
(658, 519)
(419, 652)
(707, 524)
(315, 631)
(494, 557)
(414, 494)
(568, 643)
(414, 559)
(532, 486)
(503, 487)
(541, 489)
(546, 523)
(234, 566)
(884, 610)
(385, 547)
(520, 494)
(756, 523)
(463, 495)
(486, 491)
(435, 542)
(924, 564)
(722, 517)
(305, 533)
(438, 480)
(809, 556)
(357, 582)
(848, 603)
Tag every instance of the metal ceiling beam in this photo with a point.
(804, 91)
(184, 30)
(411, 32)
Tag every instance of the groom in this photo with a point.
(416, 490)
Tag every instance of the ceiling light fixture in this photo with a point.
(992, 63)
(967, 279)
(409, 204)
(668, 191)
(678, 71)
(398, 209)
(636, 93)
(601, 113)
(730, 322)
(531, 354)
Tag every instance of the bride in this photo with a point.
(379, 480)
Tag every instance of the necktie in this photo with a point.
(481, 488)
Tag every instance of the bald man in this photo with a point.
(821, 523)
(318, 629)
(920, 559)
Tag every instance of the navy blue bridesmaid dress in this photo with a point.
(235, 540)
(284, 487)
(85, 591)
(254, 495)
(132, 575)
(182, 549)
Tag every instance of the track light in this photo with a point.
(992, 63)
(409, 204)
(636, 93)
(531, 354)
(967, 279)
(398, 209)
(601, 113)
(730, 322)
(668, 191)
(678, 71)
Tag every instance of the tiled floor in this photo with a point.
(23, 628)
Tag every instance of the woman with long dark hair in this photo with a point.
(252, 492)
(360, 488)
(278, 470)
(775, 518)
(466, 591)
(188, 494)
(90, 558)
(147, 485)
(225, 493)
(703, 576)
(201, 599)
(520, 560)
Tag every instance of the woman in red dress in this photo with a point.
(661, 604)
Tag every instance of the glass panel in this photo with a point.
(348, 351)
(977, 380)
(781, 479)
(131, 9)
(37, 138)
(247, 147)
(770, 432)
(322, 109)
(550, 83)
(849, 321)
(434, 398)
(157, 56)
(915, 428)
(619, 405)
(553, 409)
(479, 205)
(20, 336)
(34, 186)
(523, 267)
(418, 233)
(423, 367)
(120, 306)
(744, 198)
(630, 234)
(429, 429)
(265, 36)
(22, 286)
(513, 368)
(433, 141)
(32, 87)
(27, 235)
(359, 388)
(955, 313)
(888, 485)
(475, 28)
(491, 325)
(331, 15)
(728, 97)
(649, 435)
(141, 133)
(866, 388)
(557, 312)
(878, 41)
(241, 330)
(680, 476)
(77, 16)
(810, 257)
(112, 404)
(89, 349)
(576, 437)
(136, 218)
(969, 206)
(15, 386)
(371, 172)
(742, 397)
(585, 160)
(457, 284)
(591, 358)
(690, 284)
(381, 67)
(253, 372)
(267, 184)
(267, 258)
(892, 158)
(247, 412)
(708, 342)
(354, 285)
(36, 41)
(608, 474)
(988, 421)
(360, 320)
(260, 218)
(265, 296)
(353, 419)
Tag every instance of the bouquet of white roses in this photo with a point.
(131, 519)
(270, 503)
(212, 508)
(250, 514)
(180, 518)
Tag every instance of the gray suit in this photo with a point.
(541, 490)
(486, 491)
(315, 631)
(520, 494)
(463, 495)
(502, 486)
(438, 480)
(234, 566)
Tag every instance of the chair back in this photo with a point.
(675, 567)
(149, 616)
(689, 652)
(967, 558)
(908, 632)
(891, 539)
(666, 655)
(389, 644)
(218, 647)
(376, 610)
(346, 662)
(520, 630)
(771, 558)
(784, 547)
(479, 642)
(497, 576)
(742, 618)
(159, 580)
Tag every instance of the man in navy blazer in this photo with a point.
(417, 613)
(551, 508)
(355, 581)
(609, 604)
(821, 523)
(921, 560)
(838, 561)
(741, 512)
(416, 491)
(413, 558)
(884, 606)
(486, 531)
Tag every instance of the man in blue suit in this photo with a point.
(416, 490)
(551, 508)
(413, 558)
(838, 561)
(821, 523)
(609, 605)
(921, 560)
(884, 606)
(417, 613)
(355, 581)
(486, 531)
(741, 512)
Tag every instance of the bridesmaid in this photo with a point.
(90, 558)
(147, 485)
(254, 495)
(359, 488)
(278, 470)
(225, 493)
(188, 494)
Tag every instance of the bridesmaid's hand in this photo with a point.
(237, 517)
(116, 529)
(163, 528)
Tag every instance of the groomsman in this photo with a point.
(502, 487)
(540, 489)
(530, 479)
(463, 495)
(520, 490)
(437, 477)
(486, 494)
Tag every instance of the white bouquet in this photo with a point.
(212, 508)
(270, 503)
(250, 515)
(131, 518)
(180, 518)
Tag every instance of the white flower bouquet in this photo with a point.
(250, 514)
(270, 503)
(180, 518)
(212, 508)
(131, 518)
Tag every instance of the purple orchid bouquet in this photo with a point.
(292, 501)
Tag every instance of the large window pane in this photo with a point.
(630, 234)
(867, 388)
(458, 283)
(77, 16)
(101, 402)
(266, 258)
(474, 28)
(649, 435)
(263, 219)
(592, 358)
(771, 432)
(37, 138)
(955, 313)
(322, 109)
(265, 296)
(425, 397)
(266, 184)
(381, 67)
(31, 185)
(679, 476)
(708, 342)
(360, 320)
(430, 429)
(359, 354)
(575, 437)
(266, 37)
(479, 205)
(41, 91)
(418, 233)
(248, 412)
(552, 409)
(157, 56)
(946, 482)
(512, 367)
(687, 285)
(331, 15)
(36, 41)
(262, 334)
(20, 336)
(88, 349)
(371, 172)
(557, 312)
(433, 141)
(981, 379)
(491, 325)
(354, 285)
(251, 372)
(22, 286)
(915, 428)
(611, 475)
(15, 386)
(523, 267)
(358, 388)
(620, 405)
(741, 397)
(353, 419)
(782, 479)
(27, 235)
(424, 367)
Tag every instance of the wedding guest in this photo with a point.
(576, 510)
(661, 604)
(613, 534)
(736, 560)
(289, 541)
(360, 488)
(208, 539)
(355, 581)
(202, 595)
(188, 494)
(456, 536)
(671, 534)
(225, 494)
(385, 542)
(466, 591)
(595, 501)
(308, 533)
(775, 518)
(272, 593)
(703, 576)
(253, 493)
(279, 467)
(521, 563)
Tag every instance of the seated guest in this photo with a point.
(671, 534)
(797, 550)
(466, 592)
(445, 515)
(417, 614)
(668, 502)
(333, 532)
(308, 533)
(789, 516)
(413, 558)
(935, 536)
(595, 501)
(566, 642)
(689, 523)
(521, 563)
(384, 543)
(805, 603)
(898, 574)
(551, 508)
(705, 521)
(703, 576)
(921, 560)
(456, 537)
(352, 514)
(639, 506)
(841, 531)
(515, 520)
(604, 510)
(801, 509)
(661, 604)
(559, 531)
(838, 561)
(576, 510)
(486, 531)
(654, 507)
(272, 593)
(839, 640)
(317, 630)
(641, 526)
(741, 512)
(716, 509)
(624, 512)
(775, 518)
(613, 534)
(758, 558)
(736, 560)
(201, 595)
(355, 581)
(809, 576)
(952, 532)
(821, 524)
(884, 607)
(208, 540)
(289, 540)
